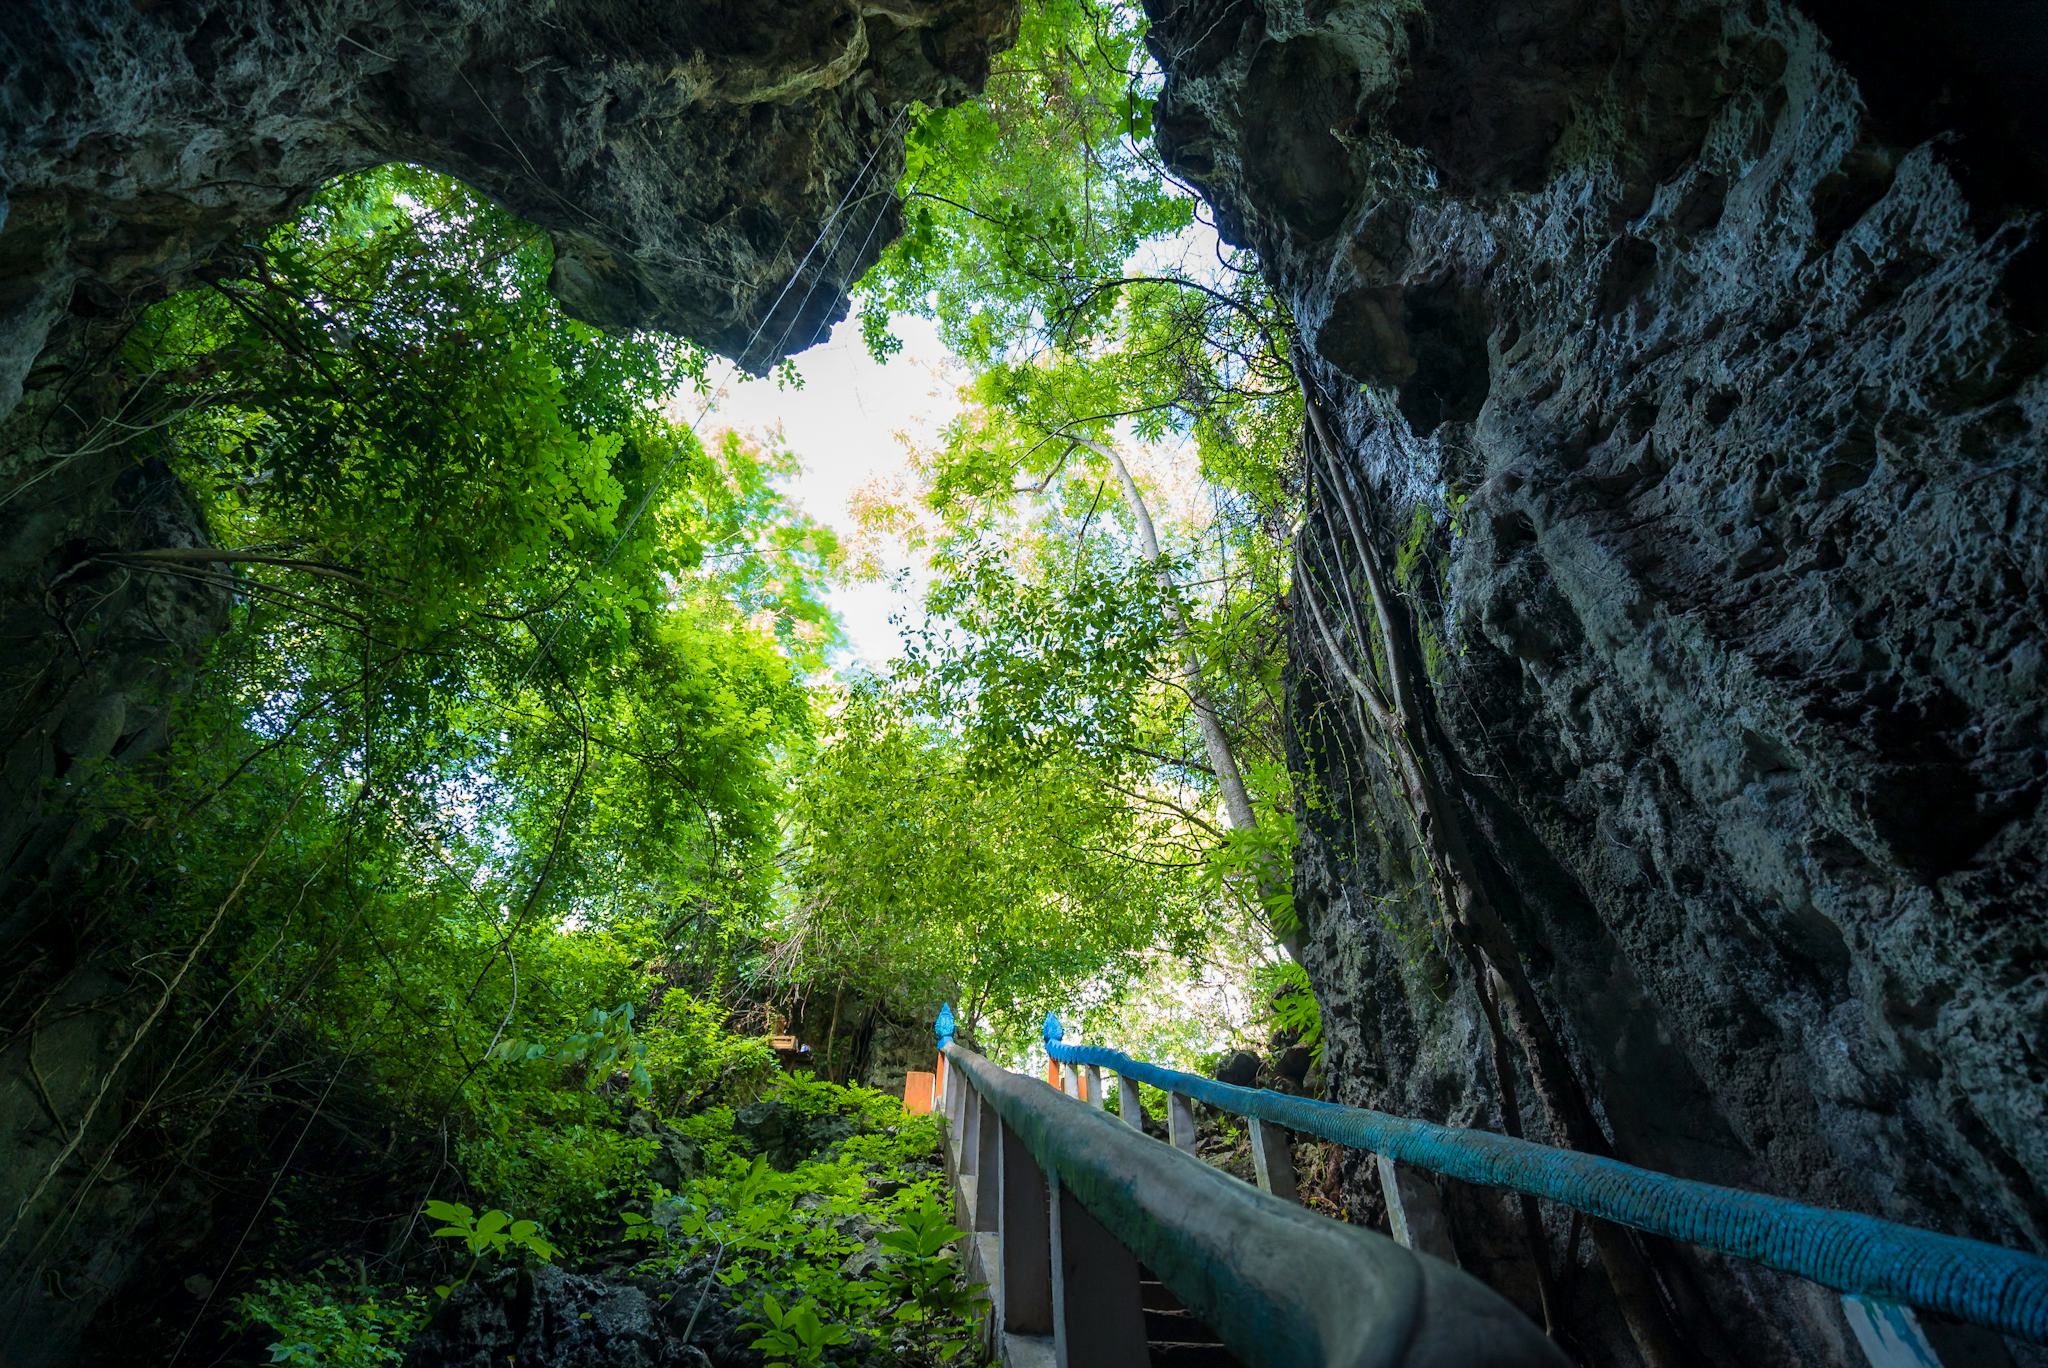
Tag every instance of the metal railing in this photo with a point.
(1069, 1209)
(1882, 1269)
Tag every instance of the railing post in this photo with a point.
(1095, 1097)
(966, 1158)
(1273, 1159)
(1893, 1336)
(1415, 1216)
(1098, 1311)
(953, 1120)
(1180, 1122)
(1061, 1079)
(970, 1137)
(943, 1030)
(1025, 1230)
(1070, 1080)
(1129, 1104)
(988, 1172)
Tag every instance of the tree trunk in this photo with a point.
(832, 1034)
(1238, 813)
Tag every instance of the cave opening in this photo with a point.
(581, 584)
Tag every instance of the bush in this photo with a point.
(696, 1063)
(317, 1322)
(852, 1238)
(556, 1156)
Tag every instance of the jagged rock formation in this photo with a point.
(717, 170)
(546, 1318)
(685, 157)
(1688, 378)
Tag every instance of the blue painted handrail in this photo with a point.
(1282, 1287)
(2001, 1289)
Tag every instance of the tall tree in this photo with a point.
(514, 668)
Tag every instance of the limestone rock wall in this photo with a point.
(686, 157)
(1687, 370)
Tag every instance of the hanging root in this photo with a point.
(1400, 704)
(163, 1001)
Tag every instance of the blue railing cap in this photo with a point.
(2001, 1289)
(1054, 1033)
(943, 1027)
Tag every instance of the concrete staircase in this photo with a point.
(1173, 1335)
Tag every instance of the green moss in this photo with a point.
(1410, 555)
(1436, 658)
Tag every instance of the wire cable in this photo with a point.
(711, 402)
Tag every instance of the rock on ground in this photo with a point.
(548, 1318)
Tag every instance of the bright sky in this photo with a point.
(855, 422)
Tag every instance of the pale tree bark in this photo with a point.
(1238, 813)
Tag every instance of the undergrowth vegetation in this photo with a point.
(815, 1210)
(854, 1236)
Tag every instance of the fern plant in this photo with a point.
(1295, 1009)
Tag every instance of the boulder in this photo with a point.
(547, 1318)
(1239, 1068)
(786, 1136)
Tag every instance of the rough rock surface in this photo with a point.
(888, 1049)
(785, 1135)
(92, 1016)
(1689, 376)
(88, 652)
(548, 1318)
(686, 157)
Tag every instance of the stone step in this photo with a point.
(1193, 1356)
(1154, 1297)
(1173, 1336)
(1177, 1327)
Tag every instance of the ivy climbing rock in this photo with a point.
(1687, 357)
